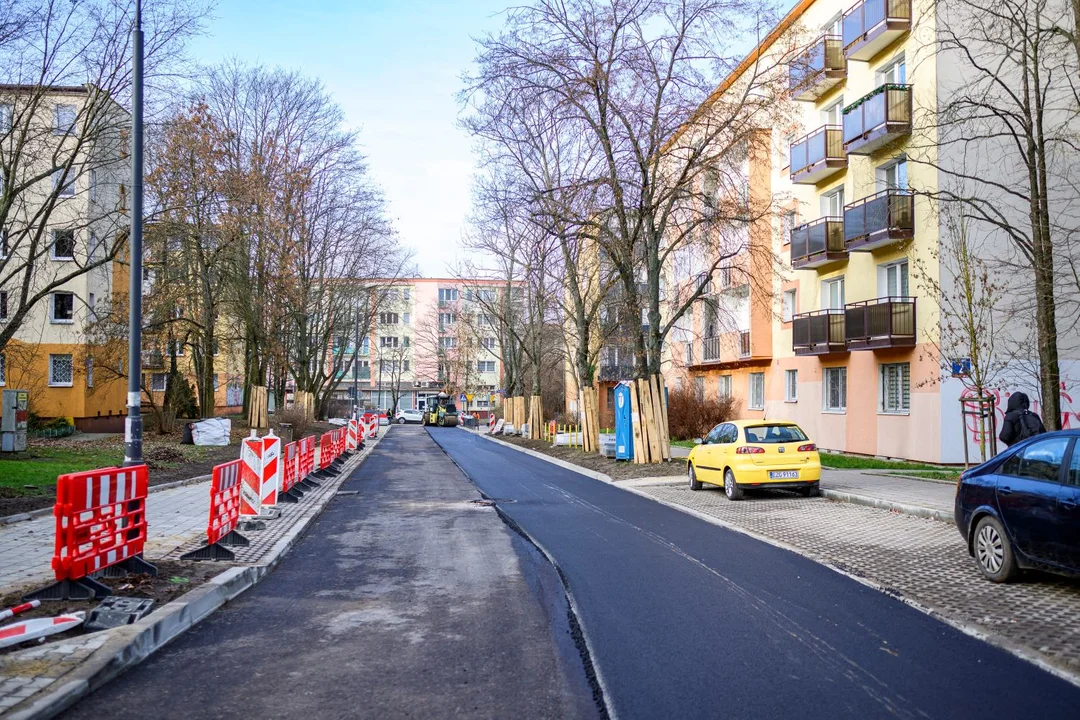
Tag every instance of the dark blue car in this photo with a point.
(1022, 509)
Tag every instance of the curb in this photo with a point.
(880, 504)
(130, 645)
(42, 512)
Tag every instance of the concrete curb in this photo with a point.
(881, 504)
(128, 646)
(42, 512)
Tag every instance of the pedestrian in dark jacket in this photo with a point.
(1020, 423)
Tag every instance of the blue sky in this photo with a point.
(394, 68)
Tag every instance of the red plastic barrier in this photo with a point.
(326, 450)
(224, 501)
(307, 457)
(341, 441)
(289, 468)
(100, 519)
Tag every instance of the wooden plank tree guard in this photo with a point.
(258, 416)
(648, 413)
(536, 417)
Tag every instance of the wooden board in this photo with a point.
(257, 408)
(657, 418)
(665, 428)
(635, 422)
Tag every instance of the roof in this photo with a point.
(58, 89)
(781, 27)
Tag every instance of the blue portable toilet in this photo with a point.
(624, 429)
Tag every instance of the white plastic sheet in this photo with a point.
(214, 431)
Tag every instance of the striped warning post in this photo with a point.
(353, 440)
(260, 459)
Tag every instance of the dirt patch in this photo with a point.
(174, 578)
(616, 469)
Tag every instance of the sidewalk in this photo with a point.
(911, 496)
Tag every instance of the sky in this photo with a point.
(395, 68)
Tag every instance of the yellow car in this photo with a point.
(756, 454)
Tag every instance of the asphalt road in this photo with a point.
(404, 599)
(687, 619)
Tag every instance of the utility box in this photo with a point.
(16, 410)
(624, 429)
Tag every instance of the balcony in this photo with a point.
(886, 322)
(818, 156)
(152, 360)
(818, 70)
(882, 219)
(872, 25)
(818, 243)
(615, 372)
(744, 343)
(728, 347)
(710, 349)
(877, 119)
(818, 333)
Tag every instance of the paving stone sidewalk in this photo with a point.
(901, 492)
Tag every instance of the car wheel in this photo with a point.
(731, 488)
(810, 491)
(993, 552)
(401, 421)
(695, 484)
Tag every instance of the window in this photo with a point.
(3, 370)
(791, 386)
(447, 319)
(89, 372)
(835, 26)
(7, 113)
(388, 318)
(487, 294)
(97, 247)
(1039, 461)
(63, 245)
(217, 383)
(405, 365)
(774, 434)
(448, 294)
(63, 186)
(388, 342)
(92, 187)
(405, 342)
(790, 308)
(448, 343)
(158, 382)
(834, 113)
(894, 72)
(175, 347)
(1074, 465)
(892, 175)
(757, 391)
(365, 346)
(835, 395)
(3, 304)
(689, 353)
(485, 366)
(832, 203)
(215, 348)
(407, 293)
(895, 388)
(832, 294)
(65, 120)
(893, 279)
(678, 384)
(488, 343)
(788, 222)
(61, 371)
(725, 277)
(723, 387)
(699, 388)
(785, 150)
(63, 307)
(405, 318)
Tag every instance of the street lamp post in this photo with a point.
(356, 365)
(133, 427)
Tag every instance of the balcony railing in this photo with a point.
(615, 372)
(818, 70)
(818, 333)
(877, 119)
(744, 343)
(878, 220)
(153, 360)
(710, 349)
(818, 155)
(818, 243)
(872, 25)
(881, 323)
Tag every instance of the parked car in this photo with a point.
(409, 415)
(1021, 509)
(756, 454)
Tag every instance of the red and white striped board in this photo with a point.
(224, 500)
(38, 628)
(260, 460)
(354, 435)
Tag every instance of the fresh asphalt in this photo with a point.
(406, 598)
(686, 619)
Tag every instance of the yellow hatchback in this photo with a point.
(756, 454)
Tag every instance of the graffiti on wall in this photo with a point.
(1070, 417)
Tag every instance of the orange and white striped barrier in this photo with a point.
(38, 628)
(290, 474)
(224, 515)
(260, 458)
(353, 441)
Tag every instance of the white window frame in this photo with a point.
(753, 403)
(405, 318)
(883, 278)
(89, 371)
(60, 127)
(882, 73)
(826, 293)
(833, 113)
(791, 386)
(385, 345)
(448, 343)
(723, 387)
(53, 382)
(154, 382)
(63, 191)
(881, 174)
(52, 247)
(790, 309)
(884, 405)
(829, 205)
(485, 366)
(841, 373)
(52, 308)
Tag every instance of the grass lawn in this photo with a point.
(684, 443)
(856, 462)
(40, 466)
(946, 475)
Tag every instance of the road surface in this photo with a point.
(405, 599)
(687, 619)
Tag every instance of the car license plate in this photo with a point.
(784, 475)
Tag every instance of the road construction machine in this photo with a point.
(442, 412)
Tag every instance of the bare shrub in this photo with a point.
(690, 416)
(294, 417)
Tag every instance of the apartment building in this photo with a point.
(823, 320)
(428, 335)
(50, 230)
